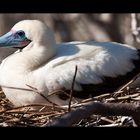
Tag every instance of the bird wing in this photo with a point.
(94, 61)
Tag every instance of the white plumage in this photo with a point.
(47, 66)
(94, 60)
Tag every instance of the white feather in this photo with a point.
(94, 60)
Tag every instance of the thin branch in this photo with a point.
(16, 88)
(36, 91)
(124, 97)
(57, 91)
(72, 87)
(16, 109)
(111, 125)
(126, 85)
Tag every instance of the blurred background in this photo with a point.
(78, 26)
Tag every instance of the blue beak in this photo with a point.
(7, 40)
(11, 39)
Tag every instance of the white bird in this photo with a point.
(47, 66)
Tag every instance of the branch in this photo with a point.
(126, 85)
(109, 109)
(72, 87)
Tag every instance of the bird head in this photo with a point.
(25, 32)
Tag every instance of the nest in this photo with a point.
(44, 115)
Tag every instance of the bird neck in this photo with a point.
(31, 57)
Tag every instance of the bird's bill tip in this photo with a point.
(6, 40)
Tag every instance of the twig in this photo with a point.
(110, 125)
(57, 91)
(24, 113)
(126, 85)
(72, 87)
(95, 98)
(16, 88)
(31, 89)
(36, 91)
(107, 120)
(124, 97)
(16, 109)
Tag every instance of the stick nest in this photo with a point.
(24, 116)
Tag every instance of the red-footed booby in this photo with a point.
(47, 66)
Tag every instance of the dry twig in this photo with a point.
(72, 87)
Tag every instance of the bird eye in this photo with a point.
(21, 33)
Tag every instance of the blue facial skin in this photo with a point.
(11, 39)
